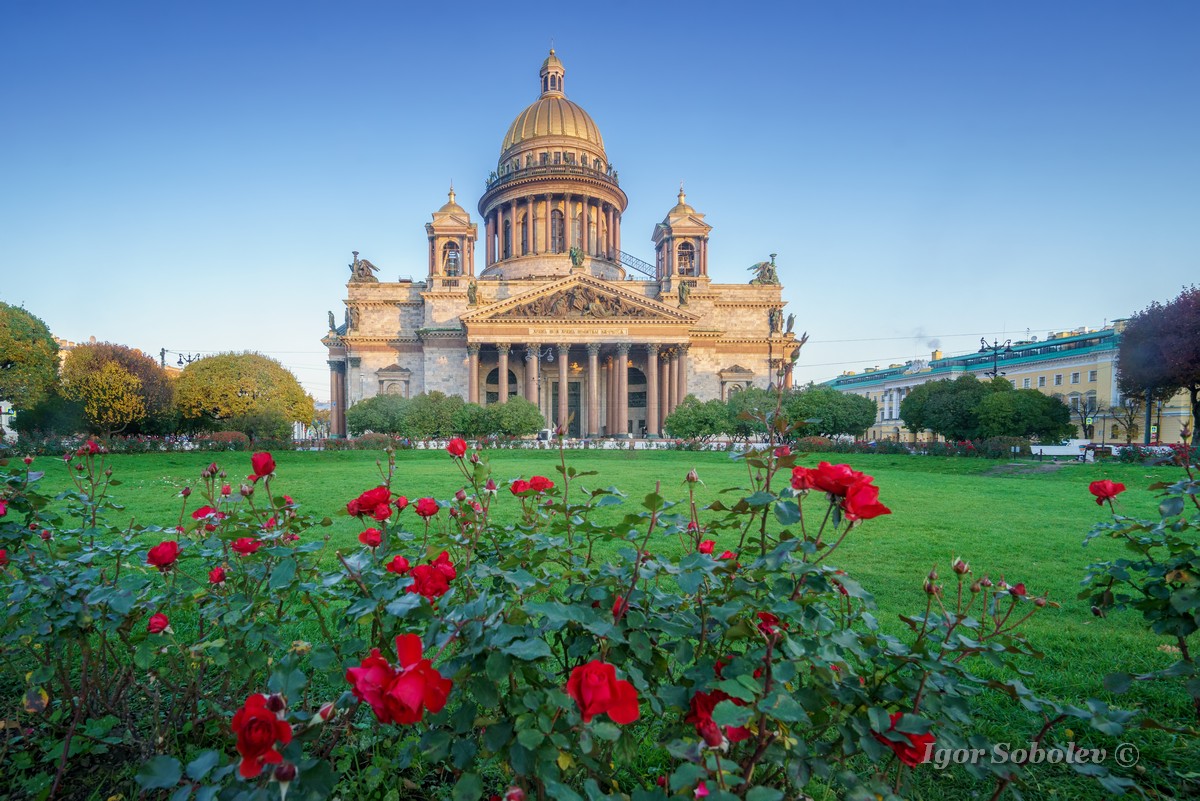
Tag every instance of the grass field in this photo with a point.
(1025, 522)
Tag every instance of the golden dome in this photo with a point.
(682, 206)
(552, 114)
(451, 206)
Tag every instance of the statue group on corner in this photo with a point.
(764, 274)
(362, 271)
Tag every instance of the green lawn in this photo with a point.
(1026, 523)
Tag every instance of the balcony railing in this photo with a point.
(608, 176)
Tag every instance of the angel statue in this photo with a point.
(362, 271)
(577, 255)
(791, 322)
(684, 291)
(764, 274)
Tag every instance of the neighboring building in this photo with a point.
(606, 344)
(1078, 367)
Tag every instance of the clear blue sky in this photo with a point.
(194, 175)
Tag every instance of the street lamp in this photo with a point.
(996, 348)
(184, 358)
(543, 354)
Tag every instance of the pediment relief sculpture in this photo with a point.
(579, 302)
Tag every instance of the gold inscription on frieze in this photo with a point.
(580, 330)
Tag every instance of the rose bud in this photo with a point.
(285, 773)
(45, 535)
(475, 458)
(960, 567)
(661, 781)
(276, 703)
(930, 588)
(933, 576)
(692, 477)
(186, 491)
(490, 486)
(1097, 611)
(28, 460)
(327, 711)
(460, 496)
(1039, 602)
(108, 472)
(246, 490)
(987, 582)
(514, 793)
(976, 586)
(226, 489)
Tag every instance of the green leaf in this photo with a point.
(499, 666)
(764, 794)
(606, 731)
(199, 767)
(528, 649)
(283, 574)
(469, 787)
(160, 773)
(1117, 682)
(1171, 506)
(727, 713)
(787, 513)
(531, 738)
(760, 499)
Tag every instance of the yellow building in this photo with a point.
(1078, 367)
(605, 343)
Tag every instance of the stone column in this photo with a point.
(664, 383)
(489, 247)
(593, 378)
(546, 229)
(568, 224)
(612, 232)
(787, 379)
(531, 370)
(673, 381)
(681, 393)
(622, 389)
(587, 226)
(473, 373)
(503, 349)
(337, 385)
(564, 361)
(617, 239)
(610, 396)
(652, 390)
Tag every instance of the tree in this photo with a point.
(28, 358)
(213, 390)
(383, 414)
(431, 416)
(111, 397)
(1160, 349)
(53, 414)
(1127, 416)
(697, 420)
(949, 408)
(1086, 412)
(155, 391)
(517, 418)
(825, 412)
(1024, 413)
(746, 408)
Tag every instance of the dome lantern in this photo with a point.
(552, 75)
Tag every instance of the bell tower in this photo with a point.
(681, 244)
(451, 242)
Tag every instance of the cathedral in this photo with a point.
(604, 343)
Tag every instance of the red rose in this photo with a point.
(370, 680)
(372, 538)
(216, 575)
(158, 623)
(706, 546)
(620, 607)
(203, 512)
(226, 489)
(597, 690)
(258, 729)
(457, 447)
(782, 451)
(246, 545)
(862, 502)
(210, 514)
(417, 686)
(802, 478)
(401, 503)
(836, 479)
(382, 512)
(519, 486)
(1017, 589)
(427, 507)
(769, 623)
(3, 557)
(700, 711)
(727, 555)
(369, 501)
(398, 565)
(541, 483)
(3, 508)
(263, 465)
(163, 555)
(403, 695)
(429, 581)
(352, 508)
(1105, 490)
(443, 565)
(913, 752)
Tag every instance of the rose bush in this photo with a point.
(525, 663)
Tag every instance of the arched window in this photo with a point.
(451, 259)
(556, 232)
(506, 248)
(524, 234)
(687, 259)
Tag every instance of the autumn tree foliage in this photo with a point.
(28, 358)
(134, 395)
(216, 391)
(1160, 349)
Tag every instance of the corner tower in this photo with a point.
(553, 205)
(451, 242)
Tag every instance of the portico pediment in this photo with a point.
(579, 298)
